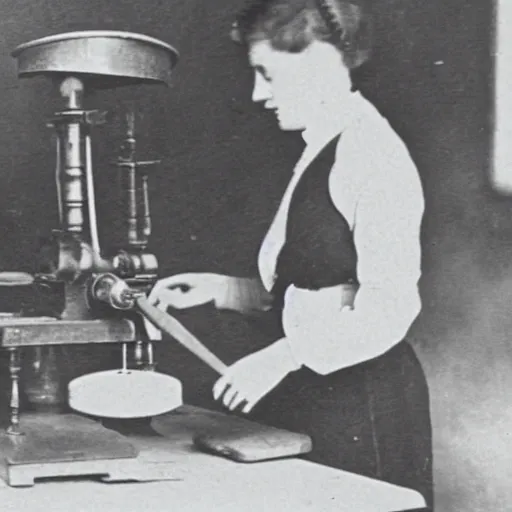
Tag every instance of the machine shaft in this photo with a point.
(69, 129)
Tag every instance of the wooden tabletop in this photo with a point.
(201, 482)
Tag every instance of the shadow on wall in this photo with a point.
(470, 382)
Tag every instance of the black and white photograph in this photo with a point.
(256, 255)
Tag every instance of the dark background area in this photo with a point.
(225, 166)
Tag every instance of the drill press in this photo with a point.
(73, 305)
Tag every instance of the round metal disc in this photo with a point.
(111, 58)
(125, 394)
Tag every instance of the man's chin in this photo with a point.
(287, 126)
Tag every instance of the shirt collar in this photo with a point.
(333, 121)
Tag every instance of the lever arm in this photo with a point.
(171, 326)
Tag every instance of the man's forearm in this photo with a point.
(246, 295)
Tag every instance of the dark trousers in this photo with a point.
(372, 419)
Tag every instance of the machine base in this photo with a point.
(63, 445)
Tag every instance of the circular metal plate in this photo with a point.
(111, 58)
(16, 279)
(125, 394)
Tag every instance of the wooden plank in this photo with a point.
(231, 436)
(24, 332)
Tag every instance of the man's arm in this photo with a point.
(387, 239)
(245, 295)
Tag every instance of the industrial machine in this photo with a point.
(80, 296)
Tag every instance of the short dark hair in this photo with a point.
(292, 25)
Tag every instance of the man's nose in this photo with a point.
(262, 90)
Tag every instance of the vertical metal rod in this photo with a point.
(71, 176)
(14, 370)
(91, 198)
(138, 354)
(125, 357)
(146, 226)
(132, 203)
(131, 187)
(71, 90)
(151, 359)
(58, 178)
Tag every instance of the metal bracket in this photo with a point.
(87, 117)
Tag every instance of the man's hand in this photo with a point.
(183, 291)
(251, 378)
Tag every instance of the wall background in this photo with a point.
(225, 168)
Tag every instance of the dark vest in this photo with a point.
(371, 418)
(319, 248)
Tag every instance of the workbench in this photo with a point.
(202, 482)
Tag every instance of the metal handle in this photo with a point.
(171, 326)
(113, 290)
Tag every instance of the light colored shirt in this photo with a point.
(375, 186)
